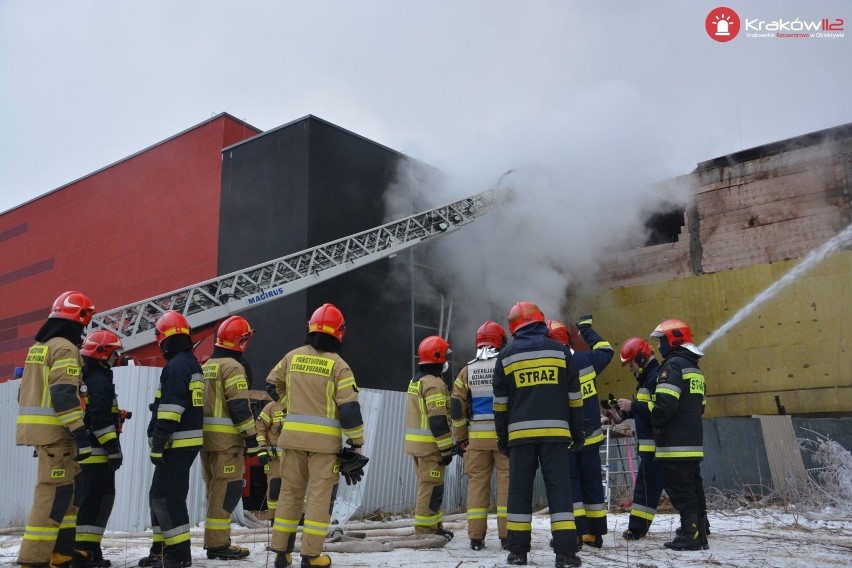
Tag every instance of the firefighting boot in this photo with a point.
(504, 543)
(517, 559)
(564, 560)
(477, 543)
(689, 537)
(703, 531)
(283, 559)
(155, 553)
(706, 526)
(631, 534)
(595, 540)
(446, 534)
(169, 562)
(231, 552)
(321, 561)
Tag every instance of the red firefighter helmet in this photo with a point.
(637, 350)
(74, 306)
(100, 344)
(558, 331)
(523, 314)
(490, 334)
(234, 334)
(170, 323)
(433, 349)
(675, 331)
(328, 319)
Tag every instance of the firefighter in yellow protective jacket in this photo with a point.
(50, 418)
(229, 432)
(428, 438)
(317, 389)
(472, 411)
(269, 424)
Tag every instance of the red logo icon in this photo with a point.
(722, 24)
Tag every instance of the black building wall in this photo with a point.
(297, 186)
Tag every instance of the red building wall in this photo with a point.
(137, 228)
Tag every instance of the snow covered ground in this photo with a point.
(749, 538)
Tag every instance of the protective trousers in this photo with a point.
(273, 484)
(223, 477)
(302, 471)
(430, 493)
(685, 487)
(650, 481)
(53, 505)
(167, 498)
(478, 466)
(588, 492)
(524, 461)
(95, 492)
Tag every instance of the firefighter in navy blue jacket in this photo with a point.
(96, 481)
(176, 436)
(638, 356)
(678, 431)
(586, 483)
(538, 415)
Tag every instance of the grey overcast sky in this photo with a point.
(86, 83)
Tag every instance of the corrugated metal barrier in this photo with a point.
(734, 450)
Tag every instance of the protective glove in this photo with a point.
(459, 448)
(114, 457)
(354, 476)
(446, 459)
(585, 321)
(158, 444)
(157, 458)
(577, 441)
(503, 447)
(252, 447)
(273, 452)
(659, 436)
(84, 445)
(263, 457)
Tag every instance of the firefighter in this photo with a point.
(96, 481)
(428, 437)
(538, 413)
(678, 430)
(50, 418)
(319, 395)
(269, 423)
(175, 436)
(638, 356)
(585, 470)
(472, 412)
(229, 433)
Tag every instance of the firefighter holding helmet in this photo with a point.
(175, 436)
(678, 430)
(229, 432)
(317, 389)
(472, 412)
(428, 436)
(50, 418)
(96, 482)
(538, 412)
(638, 356)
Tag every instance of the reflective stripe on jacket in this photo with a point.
(320, 400)
(49, 398)
(679, 405)
(227, 406)
(427, 419)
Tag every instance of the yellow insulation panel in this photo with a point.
(795, 344)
